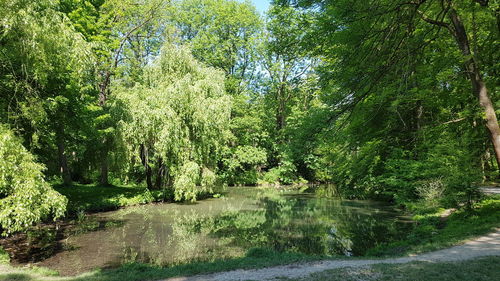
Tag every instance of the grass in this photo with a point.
(479, 269)
(95, 198)
(486, 269)
(255, 258)
(431, 233)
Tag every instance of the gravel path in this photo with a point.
(484, 246)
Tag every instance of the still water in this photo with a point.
(226, 227)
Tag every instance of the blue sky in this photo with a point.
(261, 5)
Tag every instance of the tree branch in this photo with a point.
(432, 21)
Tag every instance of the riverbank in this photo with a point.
(475, 260)
(485, 246)
(430, 233)
(444, 228)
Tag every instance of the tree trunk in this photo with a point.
(160, 174)
(280, 108)
(478, 86)
(103, 88)
(144, 160)
(103, 180)
(485, 163)
(63, 161)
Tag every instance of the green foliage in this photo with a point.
(242, 163)
(25, 197)
(396, 109)
(45, 67)
(190, 184)
(186, 122)
(285, 173)
(224, 34)
(4, 256)
(221, 33)
(375, 101)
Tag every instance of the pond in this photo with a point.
(227, 227)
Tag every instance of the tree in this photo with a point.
(448, 9)
(398, 111)
(390, 33)
(284, 61)
(124, 36)
(222, 34)
(176, 122)
(25, 198)
(44, 65)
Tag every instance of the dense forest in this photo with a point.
(388, 99)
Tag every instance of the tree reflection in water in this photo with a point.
(278, 220)
(245, 220)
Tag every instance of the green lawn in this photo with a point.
(94, 198)
(483, 269)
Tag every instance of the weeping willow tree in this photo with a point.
(175, 122)
(45, 68)
(25, 198)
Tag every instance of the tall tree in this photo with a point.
(386, 34)
(176, 122)
(125, 36)
(222, 34)
(283, 58)
(44, 65)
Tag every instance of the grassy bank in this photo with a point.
(433, 231)
(94, 198)
(430, 233)
(483, 269)
(479, 269)
(256, 258)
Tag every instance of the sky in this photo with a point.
(261, 5)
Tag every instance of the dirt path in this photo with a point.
(490, 190)
(484, 246)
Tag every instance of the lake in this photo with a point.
(243, 218)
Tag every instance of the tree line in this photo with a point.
(386, 99)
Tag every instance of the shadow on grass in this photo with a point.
(95, 198)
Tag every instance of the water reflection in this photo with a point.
(228, 227)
